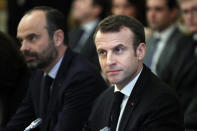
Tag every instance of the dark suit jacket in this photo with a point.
(167, 52)
(89, 48)
(14, 78)
(152, 106)
(181, 75)
(75, 87)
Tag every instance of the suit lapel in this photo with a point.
(133, 99)
(61, 77)
(168, 51)
(53, 105)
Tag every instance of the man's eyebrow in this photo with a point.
(99, 49)
(31, 34)
(119, 45)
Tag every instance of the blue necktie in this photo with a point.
(155, 45)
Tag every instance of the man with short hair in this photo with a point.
(139, 100)
(161, 17)
(63, 86)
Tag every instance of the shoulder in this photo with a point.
(79, 64)
(154, 87)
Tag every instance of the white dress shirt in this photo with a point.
(127, 92)
(163, 36)
(88, 29)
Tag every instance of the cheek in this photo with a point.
(102, 62)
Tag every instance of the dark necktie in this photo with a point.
(115, 111)
(155, 45)
(47, 81)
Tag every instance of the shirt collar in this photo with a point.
(90, 26)
(129, 87)
(165, 34)
(53, 72)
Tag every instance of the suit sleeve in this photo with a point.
(78, 99)
(23, 116)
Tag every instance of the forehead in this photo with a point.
(188, 3)
(84, 1)
(156, 3)
(111, 39)
(120, 1)
(34, 22)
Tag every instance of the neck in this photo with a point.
(61, 52)
(121, 85)
(87, 20)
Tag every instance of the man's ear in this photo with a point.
(141, 51)
(58, 37)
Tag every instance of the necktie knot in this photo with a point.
(48, 80)
(118, 96)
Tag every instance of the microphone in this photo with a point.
(34, 124)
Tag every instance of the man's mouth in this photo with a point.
(29, 58)
(113, 72)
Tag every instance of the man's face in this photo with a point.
(123, 7)
(118, 60)
(189, 9)
(82, 9)
(158, 14)
(37, 47)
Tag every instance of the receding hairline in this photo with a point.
(120, 29)
(26, 15)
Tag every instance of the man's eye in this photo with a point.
(101, 52)
(32, 37)
(118, 50)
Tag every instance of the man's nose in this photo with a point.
(24, 46)
(110, 59)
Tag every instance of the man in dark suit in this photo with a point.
(87, 13)
(64, 104)
(148, 104)
(181, 73)
(161, 16)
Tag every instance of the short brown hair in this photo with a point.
(115, 22)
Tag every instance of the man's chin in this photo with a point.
(113, 81)
(32, 65)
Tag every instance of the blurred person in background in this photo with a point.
(14, 78)
(87, 13)
(161, 16)
(134, 8)
(181, 73)
(17, 8)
